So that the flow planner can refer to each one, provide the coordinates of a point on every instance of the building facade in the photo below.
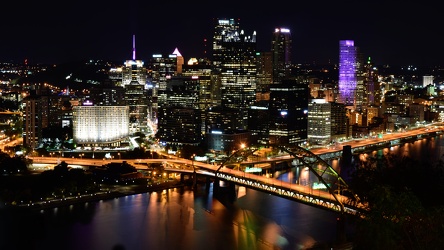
(319, 122)
(100, 125)
(348, 68)
(288, 113)
(234, 67)
(281, 52)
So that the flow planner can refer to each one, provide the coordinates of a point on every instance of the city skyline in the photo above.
(388, 32)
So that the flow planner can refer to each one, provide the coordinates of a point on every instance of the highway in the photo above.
(372, 141)
(180, 161)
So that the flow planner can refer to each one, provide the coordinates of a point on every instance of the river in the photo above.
(180, 218)
(185, 218)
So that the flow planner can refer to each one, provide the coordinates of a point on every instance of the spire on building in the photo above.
(134, 47)
(176, 52)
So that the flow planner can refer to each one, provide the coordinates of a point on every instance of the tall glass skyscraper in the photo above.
(348, 66)
(281, 51)
(288, 113)
(234, 67)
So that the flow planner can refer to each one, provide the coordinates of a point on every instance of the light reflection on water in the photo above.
(427, 149)
(178, 219)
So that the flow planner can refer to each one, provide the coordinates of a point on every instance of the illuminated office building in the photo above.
(179, 126)
(32, 120)
(264, 75)
(281, 51)
(137, 102)
(107, 94)
(234, 67)
(43, 110)
(427, 80)
(198, 73)
(100, 125)
(179, 61)
(371, 112)
(319, 122)
(416, 112)
(339, 122)
(256, 125)
(372, 94)
(134, 80)
(134, 69)
(351, 89)
(288, 113)
(161, 69)
(180, 115)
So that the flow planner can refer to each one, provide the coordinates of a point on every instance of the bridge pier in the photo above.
(207, 183)
(194, 178)
(227, 191)
(216, 186)
(340, 229)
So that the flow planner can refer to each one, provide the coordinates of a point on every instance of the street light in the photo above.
(194, 171)
(192, 160)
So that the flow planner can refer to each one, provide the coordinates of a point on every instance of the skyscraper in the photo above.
(32, 120)
(372, 94)
(161, 69)
(134, 79)
(281, 51)
(348, 73)
(319, 122)
(133, 69)
(264, 75)
(234, 67)
(288, 113)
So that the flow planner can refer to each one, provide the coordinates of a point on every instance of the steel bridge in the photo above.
(330, 191)
(318, 184)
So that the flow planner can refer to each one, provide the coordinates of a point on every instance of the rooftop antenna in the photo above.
(134, 47)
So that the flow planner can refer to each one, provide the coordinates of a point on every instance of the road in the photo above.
(386, 137)
(6, 143)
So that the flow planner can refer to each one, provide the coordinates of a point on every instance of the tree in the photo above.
(401, 215)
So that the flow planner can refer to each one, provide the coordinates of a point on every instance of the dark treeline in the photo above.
(406, 203)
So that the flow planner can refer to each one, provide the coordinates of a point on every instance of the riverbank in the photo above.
(111, 192)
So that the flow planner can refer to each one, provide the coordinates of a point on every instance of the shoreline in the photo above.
(94, 197)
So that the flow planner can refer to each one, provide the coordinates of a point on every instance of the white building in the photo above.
(427, 80)
(100, 125)
(319, 122)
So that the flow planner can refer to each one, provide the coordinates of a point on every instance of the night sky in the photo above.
(390, 32)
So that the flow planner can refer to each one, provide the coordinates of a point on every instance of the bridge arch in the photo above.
(326, 174)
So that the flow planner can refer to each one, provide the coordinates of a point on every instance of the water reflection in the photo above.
(427, 149)
(173, 219)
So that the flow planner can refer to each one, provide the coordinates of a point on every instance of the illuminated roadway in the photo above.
(357, 143)
(281, 188)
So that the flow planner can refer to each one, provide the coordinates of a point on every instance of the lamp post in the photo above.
(192, 161)
(194, 171)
